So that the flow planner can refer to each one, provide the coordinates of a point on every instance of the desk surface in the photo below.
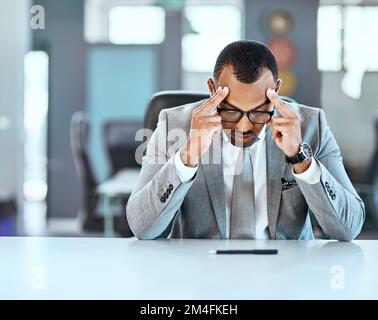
(111, 268)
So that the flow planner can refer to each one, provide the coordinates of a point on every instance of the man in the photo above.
(278, 175)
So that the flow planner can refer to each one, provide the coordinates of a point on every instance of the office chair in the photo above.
(79, 134)
(90, 221)
(168, 99)
(120, 144)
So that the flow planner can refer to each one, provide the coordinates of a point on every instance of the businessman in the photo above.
(251, 165)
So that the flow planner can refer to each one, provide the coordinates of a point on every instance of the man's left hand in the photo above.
(286, 130)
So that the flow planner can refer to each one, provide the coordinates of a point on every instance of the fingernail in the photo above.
(270, 91)
(219, 89)
(225, 89)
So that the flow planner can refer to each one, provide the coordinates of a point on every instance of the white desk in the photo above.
(111, 268)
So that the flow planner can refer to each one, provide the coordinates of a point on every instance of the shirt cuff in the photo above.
(184, 172)
(311, 175)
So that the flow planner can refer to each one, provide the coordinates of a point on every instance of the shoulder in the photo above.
(314, 126)
(311, 117)
(307, 113)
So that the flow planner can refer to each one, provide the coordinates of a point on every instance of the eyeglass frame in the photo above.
(242, 113)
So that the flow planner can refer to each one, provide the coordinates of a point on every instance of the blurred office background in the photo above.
(76, 77)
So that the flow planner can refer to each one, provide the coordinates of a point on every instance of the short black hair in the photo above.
(248, 59)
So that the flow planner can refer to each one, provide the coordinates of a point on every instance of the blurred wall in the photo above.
(63, 41)
(303, 36)
(14, 39)
(81, 79)
(352, 121)
(120, 80)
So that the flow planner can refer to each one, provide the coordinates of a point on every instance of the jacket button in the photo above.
(170, 187)
(169, 191)
(162, 199)
(166, 195)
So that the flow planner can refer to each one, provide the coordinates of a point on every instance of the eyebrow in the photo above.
(234, 107)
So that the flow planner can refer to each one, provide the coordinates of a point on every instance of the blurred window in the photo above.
(203, 39)
(329, 38)
(36, 98)
(360, 44)
(136, 25)
(36, 66)
(345, 37)
(123, 22)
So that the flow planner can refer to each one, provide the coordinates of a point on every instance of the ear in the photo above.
(211, 86)
(278, 85)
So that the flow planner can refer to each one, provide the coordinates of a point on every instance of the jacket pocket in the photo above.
(292, 214)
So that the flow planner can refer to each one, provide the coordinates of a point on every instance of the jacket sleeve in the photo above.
(159, 193)
(336, 206)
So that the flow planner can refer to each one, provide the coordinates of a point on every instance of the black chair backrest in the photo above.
(120, 144)
(79, 134)
(168, 99)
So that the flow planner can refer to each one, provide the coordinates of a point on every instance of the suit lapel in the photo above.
(275, 167)
(213, 173)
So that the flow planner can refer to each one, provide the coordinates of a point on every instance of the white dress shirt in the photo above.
(258, 153)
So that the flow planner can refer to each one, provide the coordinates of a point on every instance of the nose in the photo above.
(244, 124)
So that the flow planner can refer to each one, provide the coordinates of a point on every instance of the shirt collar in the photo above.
(262, 133)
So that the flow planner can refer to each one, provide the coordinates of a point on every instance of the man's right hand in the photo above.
(205, 124)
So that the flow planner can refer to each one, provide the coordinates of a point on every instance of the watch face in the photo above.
(307, 151)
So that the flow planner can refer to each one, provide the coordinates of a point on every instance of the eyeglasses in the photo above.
(255, 116)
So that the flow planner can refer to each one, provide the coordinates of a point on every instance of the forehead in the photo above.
(246, 95)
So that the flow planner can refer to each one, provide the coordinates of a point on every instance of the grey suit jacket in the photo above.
(162, 206)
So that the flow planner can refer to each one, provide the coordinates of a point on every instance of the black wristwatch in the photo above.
(305, 152)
